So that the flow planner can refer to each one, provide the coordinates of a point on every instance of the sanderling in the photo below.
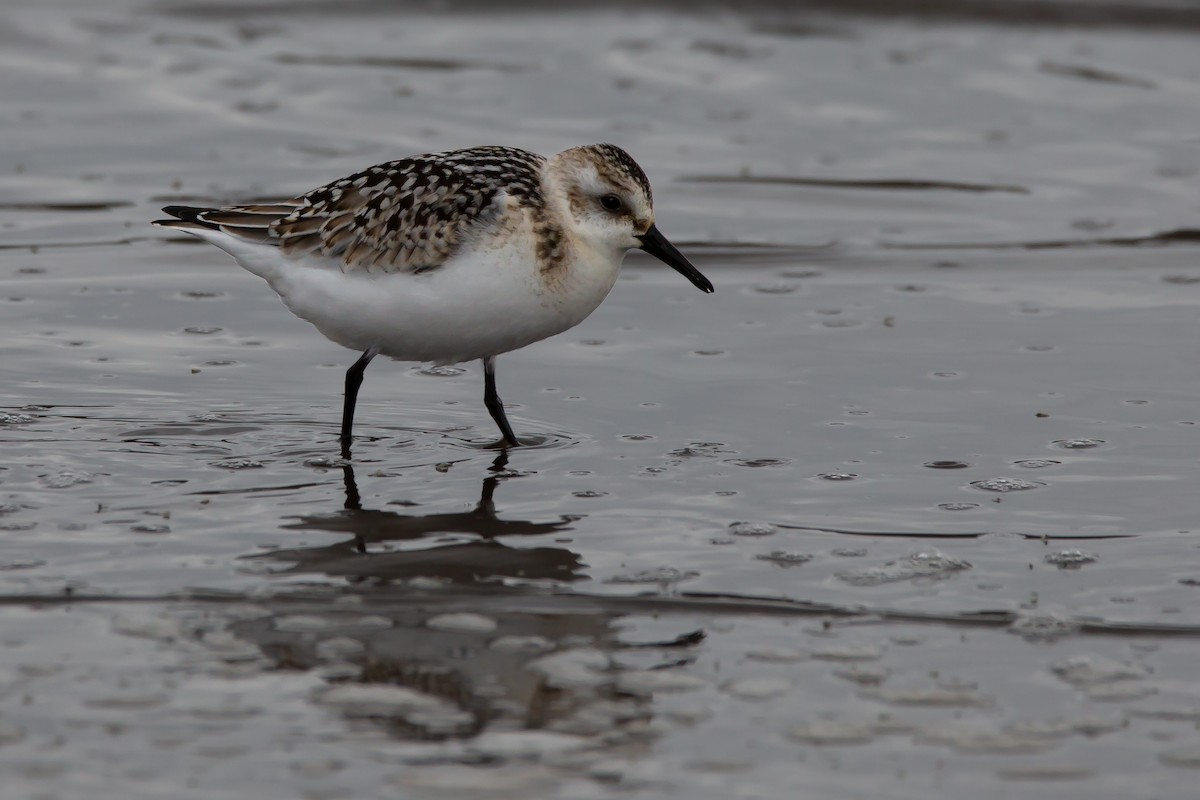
(448, 257)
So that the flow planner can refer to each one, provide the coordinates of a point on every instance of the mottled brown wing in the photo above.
(402, 216)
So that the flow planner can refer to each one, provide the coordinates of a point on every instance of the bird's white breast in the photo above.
(486, 300)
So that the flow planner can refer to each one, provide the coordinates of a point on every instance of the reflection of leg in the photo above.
(354, 379)
(489, 484)
(353, 499)
(492, 400)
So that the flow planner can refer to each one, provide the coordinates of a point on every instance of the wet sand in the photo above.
(905, 509)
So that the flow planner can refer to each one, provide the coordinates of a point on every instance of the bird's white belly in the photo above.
(479, 304)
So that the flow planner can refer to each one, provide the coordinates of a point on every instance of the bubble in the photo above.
(922, 564)
(660, 575)
(759, 462)
(15, 419)
(1078, 444)
(957, 506)
(947, 464)
(1006, 485)
(836, 476)
(1071, 558)
(1043, 628)
(147, 527)
(238, 463)
(752, 529)
(202, 330)
(1037, 463)
(445, 371)
(66, 479)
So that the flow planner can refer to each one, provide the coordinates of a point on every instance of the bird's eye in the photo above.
(610, 202)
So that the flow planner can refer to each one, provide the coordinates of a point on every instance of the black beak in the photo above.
(657, 245)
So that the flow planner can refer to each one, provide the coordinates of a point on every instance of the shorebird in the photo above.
(448, 257)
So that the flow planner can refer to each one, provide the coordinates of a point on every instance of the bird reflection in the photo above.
(463, 563)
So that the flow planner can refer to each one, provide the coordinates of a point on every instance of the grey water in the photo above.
(906, 509)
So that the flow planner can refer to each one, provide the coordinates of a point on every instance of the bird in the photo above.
(447, 257)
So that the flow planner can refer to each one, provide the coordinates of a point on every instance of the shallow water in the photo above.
(908, 503)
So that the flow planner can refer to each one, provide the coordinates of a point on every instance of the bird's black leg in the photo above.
(492, 400)
(354, 379)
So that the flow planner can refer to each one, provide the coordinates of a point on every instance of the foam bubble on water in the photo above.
(67, 479)
(1078, 444)
(836, 476)
(1042, 627)
(325, 462)
(785, 558)
(15, 419)
(440, 372)
(1037, 463)
(238, 463)
(752, 528)
(1006, 484)
(663, 576)
(1071, 558)
(922, 564)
